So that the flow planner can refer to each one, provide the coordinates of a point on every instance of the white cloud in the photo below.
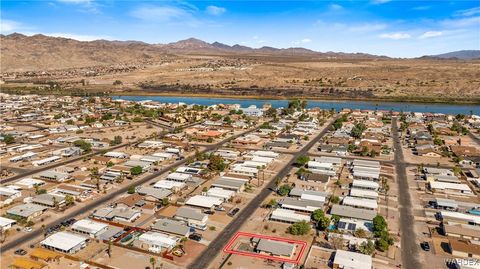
(468, 12)
(78, 37)
(421, 8)
(396, 36)
(75, 1)
(335, 7)
(379, 2)
(430, 34)
(159, 13)
(367, 27)
(89, 6)
(182, 15)
(215, 11)
(302, 41)
(463, 22)
(7, 26)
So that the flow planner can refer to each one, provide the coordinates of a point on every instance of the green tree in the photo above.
(131, 190)
(284, 189)
(117, 140)
(84, 145)
(137, 170)
(367, 248)
(110, 164)
(382, 244)
(271, 112)
(334, 199)
(69, 200)
(299, 228)
(379, 224)
(358, 129)
(272, 203)
(8, 139)
(302, 160)
(216, 163)
(322, 221)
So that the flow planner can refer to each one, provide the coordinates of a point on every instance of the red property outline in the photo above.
(227, 249)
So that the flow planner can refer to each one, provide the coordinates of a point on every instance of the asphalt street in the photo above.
(409, 246)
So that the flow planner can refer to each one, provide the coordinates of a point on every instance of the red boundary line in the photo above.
(227, 248)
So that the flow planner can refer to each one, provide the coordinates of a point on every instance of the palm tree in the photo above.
(109, 250)
(153, 261)
(55, 202)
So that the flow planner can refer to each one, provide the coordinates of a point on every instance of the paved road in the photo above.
(105, 198)
(216, 246)
(409, 246)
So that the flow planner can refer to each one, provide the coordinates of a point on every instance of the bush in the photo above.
(299, 228)
(302, 160)
(284, 189)
(131, 190)
(84, 145)
(137, 170)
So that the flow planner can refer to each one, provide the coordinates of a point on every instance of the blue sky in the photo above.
(383, 27)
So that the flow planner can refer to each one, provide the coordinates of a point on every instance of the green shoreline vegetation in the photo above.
(22, 90)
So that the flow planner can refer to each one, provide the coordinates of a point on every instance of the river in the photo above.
(338, 105)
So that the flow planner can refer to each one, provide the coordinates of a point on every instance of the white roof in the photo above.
(241, 168)
(204, 201)
(360, 202)
(259, 159)
(46, 160)
(64, 241)
(168, 184)
(311, 197)
(326, 159)
(363, 193)
(220, 193)
(450, 186)
(366, 163)
(366, 175)
(179, 176)
(89, 226)
(288, 215)
(365, 184)
(163, 154)
(352, 260)
(6, 221)
(314, 164)
(158, 239)
(115, 154)
(263, 153)
(4, 191)
(252, 164)
(29, 182)
(458, 215)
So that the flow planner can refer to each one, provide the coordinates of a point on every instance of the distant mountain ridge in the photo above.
(460, 54)
(19, 52)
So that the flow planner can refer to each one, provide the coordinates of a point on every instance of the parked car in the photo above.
(20, 251)
(195, 237)
(28, 229)
(233, 212)
(425, 246)
(209, 212)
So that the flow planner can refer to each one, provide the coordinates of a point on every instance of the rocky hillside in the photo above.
(39, 52)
